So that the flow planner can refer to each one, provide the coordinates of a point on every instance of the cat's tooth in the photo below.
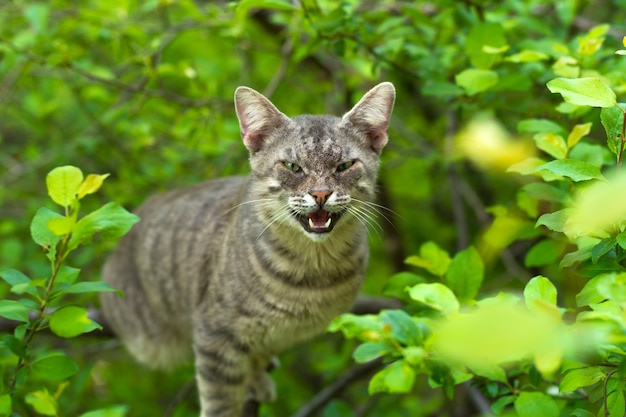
(311, 224)
(328, 222)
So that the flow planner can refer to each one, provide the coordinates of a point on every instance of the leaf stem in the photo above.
(37, 324)
(607, 413)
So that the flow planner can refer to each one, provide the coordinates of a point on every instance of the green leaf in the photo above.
(621, 240)
(527, 167)
(62, 226)
(490, 35)
(403, 327)
(20, 283)
(397, 285)
(39, 230)
(71, 321)
(578, 132)
(613, 287)
(364, 326)
(567, 67)
(540, 126)
(67, 275)
(15, 345)
(111, 221)
(616, 404)
(43, 402)
(115, 411)
(436, 296)
(527, 56)
(63, 184)
(595, 154)
(546, 252)
(436, 88)
(395, 378)
(554, 221)
(582, 377)
(589, 294)
(488, 370)
(37, 15)
(414, 355)
(536, 404)
(602, 248)
(432, 258)
(612, 119)
(267, 4)
(90, 287)
(55, 367)
(498, 406)
(539, 289)
(579, 412)
(573, 169)
(14, 310)
(552, 144)
(465, 274)
(5, 405)
(371, 350)
(475, 81)
(584, 91)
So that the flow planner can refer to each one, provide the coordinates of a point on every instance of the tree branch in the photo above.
(327, 394)
(366, 304)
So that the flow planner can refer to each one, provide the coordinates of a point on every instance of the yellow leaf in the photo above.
(496, 333)
(92, 183)
(548, 361)
(599, 210)
(577, 133)
(624, 41)
(487, 143)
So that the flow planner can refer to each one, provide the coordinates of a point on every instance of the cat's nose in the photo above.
(321, 196)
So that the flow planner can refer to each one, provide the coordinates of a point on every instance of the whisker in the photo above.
(366, 218)
(377, 208)
(280, 216)
(371, 217)
(264, 201)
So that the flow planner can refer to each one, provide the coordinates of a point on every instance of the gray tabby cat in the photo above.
(236, 270)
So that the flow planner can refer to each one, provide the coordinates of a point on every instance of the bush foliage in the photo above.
(505, 231)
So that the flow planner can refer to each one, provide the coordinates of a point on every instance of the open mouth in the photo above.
(320, 221)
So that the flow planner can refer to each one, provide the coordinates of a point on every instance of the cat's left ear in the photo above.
(371, 114)
(257, 117)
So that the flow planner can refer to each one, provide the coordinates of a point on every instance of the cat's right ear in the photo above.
(257, 117)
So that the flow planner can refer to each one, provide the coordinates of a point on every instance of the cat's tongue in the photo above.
(319, 220)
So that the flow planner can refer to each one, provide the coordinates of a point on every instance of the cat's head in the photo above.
(315, 173)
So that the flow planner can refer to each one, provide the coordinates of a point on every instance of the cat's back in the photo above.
(179, 230)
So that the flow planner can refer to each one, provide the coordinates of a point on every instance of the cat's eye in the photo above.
(292, 166)
(344, 165)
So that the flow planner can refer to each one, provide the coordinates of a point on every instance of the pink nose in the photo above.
(321, 196)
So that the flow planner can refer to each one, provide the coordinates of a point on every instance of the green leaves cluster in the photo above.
(528, 354)
(43, 303)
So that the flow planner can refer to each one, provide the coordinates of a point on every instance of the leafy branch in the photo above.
(58, 235)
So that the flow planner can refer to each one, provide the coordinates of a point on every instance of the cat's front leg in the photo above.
(222, 371)
(260, 387)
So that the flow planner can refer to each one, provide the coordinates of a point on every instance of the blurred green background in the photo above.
(143, 90)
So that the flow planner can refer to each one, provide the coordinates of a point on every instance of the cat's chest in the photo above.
(300, 321)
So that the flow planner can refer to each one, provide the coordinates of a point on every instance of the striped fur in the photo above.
(235, 270)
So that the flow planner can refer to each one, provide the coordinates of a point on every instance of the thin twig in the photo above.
(285, 53)
(373, 305)
(458, 211)
(327, 394)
